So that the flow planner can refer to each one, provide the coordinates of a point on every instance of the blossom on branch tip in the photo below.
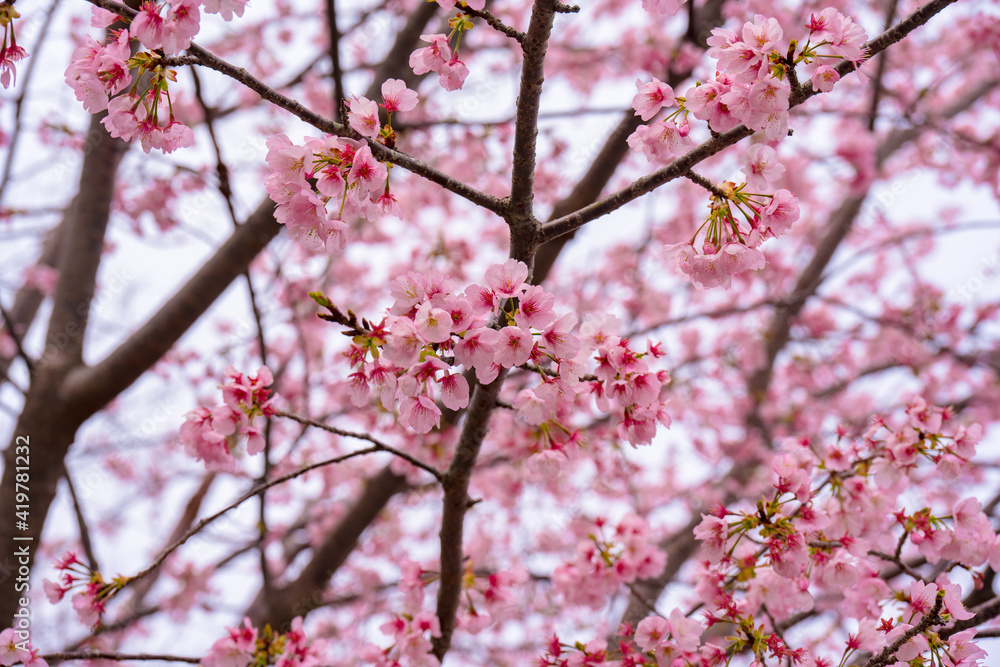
(131, 118)
(99, 71)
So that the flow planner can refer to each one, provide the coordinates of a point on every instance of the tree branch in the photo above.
(381, 446)
(526, 124)
(456, 502)
(256, 489)
(495, 23)
(681, 165)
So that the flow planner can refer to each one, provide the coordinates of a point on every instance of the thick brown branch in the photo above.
(91, 388)
(526, 124)
(47, 421)
(456, 503)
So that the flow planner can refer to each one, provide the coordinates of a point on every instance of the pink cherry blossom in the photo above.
(762, 167)
(99, 71)
(763, 34)
(431, 58)
(507, 280)
(783, 210)
(419, 413)
(452, 74)
(454, 391)
(651, 97)
(397, 97)
(535, 308)
(363, 117)
(513, 346)
(660, 141)
(769, 95)
(824, 78)
(433, 324)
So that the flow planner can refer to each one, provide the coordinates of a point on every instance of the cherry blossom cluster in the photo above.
(214, 435)
(319, 184)
(752, 86)
(92, 594)
(731, 243)
(439, 57)
(363, 117)
(10, 52)
(487, 596)
(827, 529)
(664, 139)
(169, 27)
(825, 536)
(245, 645)
(604, 562)
(504, 323)
(755, 67)
(411, 643)
(592, 654)
(99, 73)
(16, 648)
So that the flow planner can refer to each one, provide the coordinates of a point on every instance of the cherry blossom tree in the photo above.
(623, 340)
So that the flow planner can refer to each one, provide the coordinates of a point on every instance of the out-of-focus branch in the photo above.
(305, 593)
(335, 70)
(81, 522)
(47, 417)
(92, 387)
(256, 489)
(29, 69)
(29, 298)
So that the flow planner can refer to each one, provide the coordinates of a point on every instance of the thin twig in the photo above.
(495, 23)
(242, 499)
(81, 522)
(379, 445)
(106, 655)
(698, 179)
(211, 61)
(15, 133)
